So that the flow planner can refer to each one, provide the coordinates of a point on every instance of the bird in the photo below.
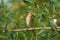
(55, 21)
(29, 19)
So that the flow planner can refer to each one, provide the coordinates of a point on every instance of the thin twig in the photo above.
(42, 28)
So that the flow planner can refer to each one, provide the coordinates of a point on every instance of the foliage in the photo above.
(13, 14)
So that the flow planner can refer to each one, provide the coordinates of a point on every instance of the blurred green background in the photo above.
(13, 14)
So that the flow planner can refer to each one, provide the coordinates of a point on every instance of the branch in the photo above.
(42, 28)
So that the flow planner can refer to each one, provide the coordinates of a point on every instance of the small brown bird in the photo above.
(28, 19)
